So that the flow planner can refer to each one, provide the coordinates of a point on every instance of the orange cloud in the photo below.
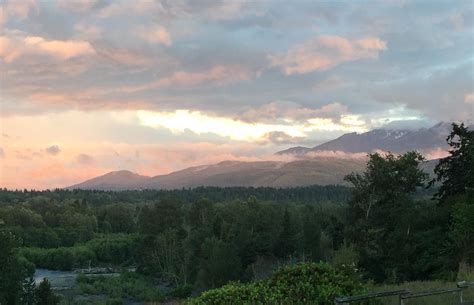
(64, 49)
(15, 44)
(326, 52)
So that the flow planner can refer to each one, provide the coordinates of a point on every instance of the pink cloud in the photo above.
(154, 35)
(326, 52)
(17, 9)
(89, 99)
(436, 154)
(124, 56)
(16, 44)
(217, 74)
(64, 49)
(3, 15)
(335, 154)
(469, 98)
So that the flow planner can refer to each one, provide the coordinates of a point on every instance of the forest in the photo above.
(391, 224)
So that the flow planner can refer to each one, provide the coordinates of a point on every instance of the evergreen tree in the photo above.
(456, 171)
(28, 296)
(11, 271)
(311, 234)
(219, 265)
(379, 211)
(286, 244)
(45, 295)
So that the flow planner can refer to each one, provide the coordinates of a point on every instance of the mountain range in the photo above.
(393, 140)
(322, 171)
(306, 169)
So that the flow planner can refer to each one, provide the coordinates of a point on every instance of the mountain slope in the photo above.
(397, 141)
(113, 181)
(234, 173)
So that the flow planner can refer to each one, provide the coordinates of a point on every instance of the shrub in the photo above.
(113, 248)
(60, 258)
(303, 283)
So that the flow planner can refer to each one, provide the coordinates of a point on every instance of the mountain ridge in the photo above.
(238, 173)
(305, 169)
(381, 139)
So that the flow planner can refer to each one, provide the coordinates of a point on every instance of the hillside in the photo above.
(322, 171)
(113, 181)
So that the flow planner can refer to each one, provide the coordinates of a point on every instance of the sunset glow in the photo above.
(89, 87)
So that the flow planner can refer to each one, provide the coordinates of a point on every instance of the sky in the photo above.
(92, 86)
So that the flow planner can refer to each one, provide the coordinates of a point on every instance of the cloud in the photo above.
(435, 154)
(469, 98)
(78, 5)
(3, 15)
(200, 123)
(53, 150)
(292, 112)
(202, 10)
(85, 159)
(16, 44)
(326, 52)
(280, 137)
(138, 7)
(87, 31)
(332, 82)
(154, 35)
(440, 93)
(335, 154)
(16, 9)
(217, 75)
(63, 49)
(123, 56)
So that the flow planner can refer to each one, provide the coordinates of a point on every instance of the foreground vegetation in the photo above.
(303, 283)
(192, 245)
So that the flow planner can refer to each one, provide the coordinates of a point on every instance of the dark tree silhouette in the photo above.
(456, 171)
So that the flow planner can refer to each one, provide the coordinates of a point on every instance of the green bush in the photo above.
(303, 283)
(60, 258)
(113, 248)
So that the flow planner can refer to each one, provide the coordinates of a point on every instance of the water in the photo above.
(60, 280)
(63, 283)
